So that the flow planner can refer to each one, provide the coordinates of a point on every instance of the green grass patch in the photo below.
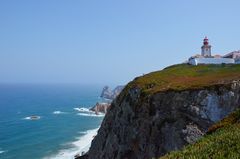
(183, 76)
(222, 142)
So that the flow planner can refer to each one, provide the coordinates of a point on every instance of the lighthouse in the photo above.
(207, 58)
(206, 48)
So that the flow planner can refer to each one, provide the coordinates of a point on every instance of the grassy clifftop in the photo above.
(222, 141)
(183, 76)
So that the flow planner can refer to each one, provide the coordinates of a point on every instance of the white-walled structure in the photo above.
(197, 61)
(234, 55)
(207, 58)
(237, 61)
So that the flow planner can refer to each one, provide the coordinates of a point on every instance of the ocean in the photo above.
(64, 128)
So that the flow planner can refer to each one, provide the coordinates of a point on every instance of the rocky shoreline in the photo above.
(100, 108)
(107, 94)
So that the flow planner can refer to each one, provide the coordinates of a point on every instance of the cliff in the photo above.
(222, 141)
(107, 93)
(166, 110)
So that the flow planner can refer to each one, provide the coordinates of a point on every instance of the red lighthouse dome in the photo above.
(205, 41)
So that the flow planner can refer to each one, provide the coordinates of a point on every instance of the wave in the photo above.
(59, 112)
(82, 144)
(1, 151)
(32, 118)
(82, 109)
(88, 113)
(82, 132)
(91, 114)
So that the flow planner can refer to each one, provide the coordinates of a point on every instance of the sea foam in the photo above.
(88, 113)
(82, 109)
(82, 144)
(59, 112)
(30, 118)
(91, 114)
(2, 152)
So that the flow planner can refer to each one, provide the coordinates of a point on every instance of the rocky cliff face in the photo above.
(101, 108)
(142, 127)
(166, 110)
(111, 94)
(106, 93)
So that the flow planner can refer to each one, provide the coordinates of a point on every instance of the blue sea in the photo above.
(63, 129)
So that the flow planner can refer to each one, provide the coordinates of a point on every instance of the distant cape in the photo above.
(107, 93)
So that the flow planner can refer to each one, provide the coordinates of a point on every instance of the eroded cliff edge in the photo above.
(163, 111)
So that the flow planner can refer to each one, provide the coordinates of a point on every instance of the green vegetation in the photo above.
(183, 76)
(221, 141)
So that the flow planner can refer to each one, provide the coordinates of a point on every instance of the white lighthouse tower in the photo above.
(207, 58)
(206, 48)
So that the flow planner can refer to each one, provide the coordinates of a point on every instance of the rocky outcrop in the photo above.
(117, 90)
(107, 93)
(101, 108)
(144, 126)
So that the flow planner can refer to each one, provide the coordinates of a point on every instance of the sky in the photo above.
(108, 42)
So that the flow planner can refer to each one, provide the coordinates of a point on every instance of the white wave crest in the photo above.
(82, 144)
(82, 109)
(32, 118)
(91, 114)
(82, 132)
(59, 112)
(1, 151)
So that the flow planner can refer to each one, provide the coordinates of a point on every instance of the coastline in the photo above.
(81, 145)
(50, 135)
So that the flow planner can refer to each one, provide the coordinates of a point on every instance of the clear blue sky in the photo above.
(108, 42)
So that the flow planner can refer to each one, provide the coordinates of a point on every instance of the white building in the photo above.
(197, 61)
(207, 58)
(235, 55)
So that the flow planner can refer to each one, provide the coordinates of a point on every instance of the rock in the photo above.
(81, 157)
(192, 133)
(100, 108)
(107, 93)
(142, 127)
(117, 91)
